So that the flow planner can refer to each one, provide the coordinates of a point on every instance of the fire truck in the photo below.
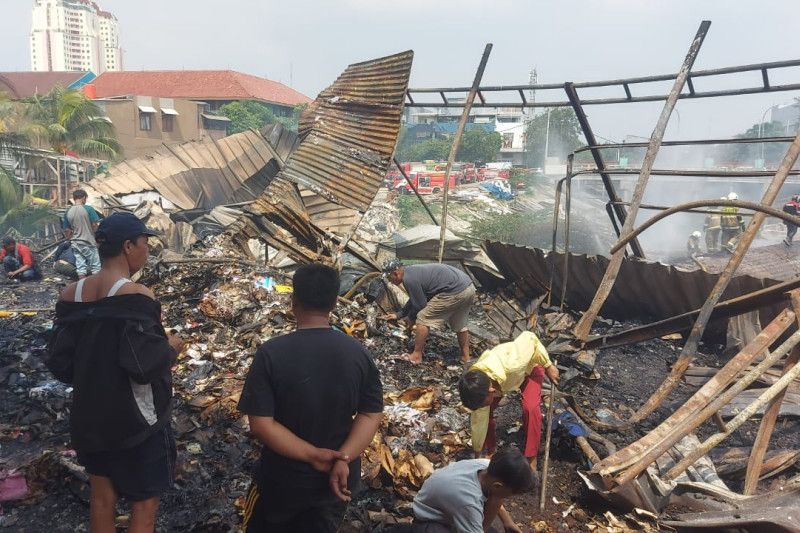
(426, 182)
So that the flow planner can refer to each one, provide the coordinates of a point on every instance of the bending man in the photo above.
(437, 294)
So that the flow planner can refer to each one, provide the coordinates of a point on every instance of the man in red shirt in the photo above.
(18, 261)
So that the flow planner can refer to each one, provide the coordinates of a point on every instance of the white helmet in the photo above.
(696, 234)
(733, 196)
(723, 197)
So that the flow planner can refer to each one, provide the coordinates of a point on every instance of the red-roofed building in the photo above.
(215, 87)
(26, 84)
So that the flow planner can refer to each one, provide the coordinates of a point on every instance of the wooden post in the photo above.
(58, 182)
(767, 426)
(584, 325)
(546, 461)
(457, 140)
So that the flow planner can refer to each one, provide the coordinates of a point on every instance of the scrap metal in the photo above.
(196, 174)
(347, 137)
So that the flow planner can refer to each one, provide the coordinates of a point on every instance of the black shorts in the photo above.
(322, 516)
(139, 473)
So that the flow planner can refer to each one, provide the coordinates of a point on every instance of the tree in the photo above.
(435, 149)
(248, 114)
(564, 137)
(479, 145)
(747, 154)
(18, 210)
(67, 121)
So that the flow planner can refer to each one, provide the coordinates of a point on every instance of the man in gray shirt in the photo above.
(466, 496)
(438, 294)
(80, 223)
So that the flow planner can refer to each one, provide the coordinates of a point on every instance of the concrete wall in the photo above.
(124, 114)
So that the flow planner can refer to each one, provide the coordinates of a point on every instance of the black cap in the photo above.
(121, 227)
(8, 240)
(391, 265)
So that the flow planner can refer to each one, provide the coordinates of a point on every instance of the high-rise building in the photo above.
(74, 35)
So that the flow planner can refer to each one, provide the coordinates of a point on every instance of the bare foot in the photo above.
(415, 357)
(533, 464)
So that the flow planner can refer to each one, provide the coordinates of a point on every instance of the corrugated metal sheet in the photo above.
(350, 130)
(347, 137)
(644, 290)
(195, 174)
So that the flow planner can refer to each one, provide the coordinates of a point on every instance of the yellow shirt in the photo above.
(508, 365)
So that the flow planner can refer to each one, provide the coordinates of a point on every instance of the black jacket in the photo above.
(115, 354)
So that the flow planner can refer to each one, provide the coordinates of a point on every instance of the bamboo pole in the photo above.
(584, 325)
(457, 140)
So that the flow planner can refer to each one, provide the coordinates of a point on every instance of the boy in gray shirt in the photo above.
(466, 496)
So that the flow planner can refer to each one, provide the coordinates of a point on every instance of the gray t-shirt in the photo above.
(79, 218)
(453, 496)
(423, 282)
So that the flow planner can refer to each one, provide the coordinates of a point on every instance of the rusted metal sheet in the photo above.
(332, 173)
(647, 289)
(196, 174)
(350, 130)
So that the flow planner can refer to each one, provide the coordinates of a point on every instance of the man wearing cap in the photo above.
(80, 223)
(108, 343)
(18, 261)
(438, 294)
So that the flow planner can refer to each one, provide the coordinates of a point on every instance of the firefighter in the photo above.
(712, 228)
(791, 207)
(693, 244)
(732, 224)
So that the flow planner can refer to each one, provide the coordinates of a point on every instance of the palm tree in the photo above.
(25, 213)
(67, 120)
(11, 115)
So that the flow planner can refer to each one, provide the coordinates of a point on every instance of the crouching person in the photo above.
(314, 400)
(520, 364)
(467, 496)
(109, 344)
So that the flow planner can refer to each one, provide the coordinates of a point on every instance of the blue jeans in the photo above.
(10, 264)
(87, 260)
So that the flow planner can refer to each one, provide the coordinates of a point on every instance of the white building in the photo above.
(509, 122)
(69, 35)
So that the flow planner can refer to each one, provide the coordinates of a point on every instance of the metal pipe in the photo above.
(699, 211)
(551, 259)
(690, 348)
(614, 101)
(685, 173)
(748, 140)
(584, 325)
(457, 141)
(588, 133)
(413, 188)
(567, 217)
(759, 208)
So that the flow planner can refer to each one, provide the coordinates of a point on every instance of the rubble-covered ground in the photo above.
(225, 315)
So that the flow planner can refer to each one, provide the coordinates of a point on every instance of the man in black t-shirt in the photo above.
(314, 400)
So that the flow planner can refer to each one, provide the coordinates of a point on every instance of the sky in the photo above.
(308, 43)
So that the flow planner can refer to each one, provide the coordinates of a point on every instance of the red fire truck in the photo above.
(425, 182)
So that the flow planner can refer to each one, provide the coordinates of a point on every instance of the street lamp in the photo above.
(760, 124)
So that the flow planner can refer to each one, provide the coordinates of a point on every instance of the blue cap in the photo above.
(121, 227)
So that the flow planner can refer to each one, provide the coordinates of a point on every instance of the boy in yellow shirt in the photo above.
(520, 364)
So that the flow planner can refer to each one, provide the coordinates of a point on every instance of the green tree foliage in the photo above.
(67, 121)
(247, 114)
(565, 136)
(479, 145)
(747, 154)
(476, 145)
(17, 209)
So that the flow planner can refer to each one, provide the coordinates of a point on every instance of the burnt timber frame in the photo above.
(625, 84)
